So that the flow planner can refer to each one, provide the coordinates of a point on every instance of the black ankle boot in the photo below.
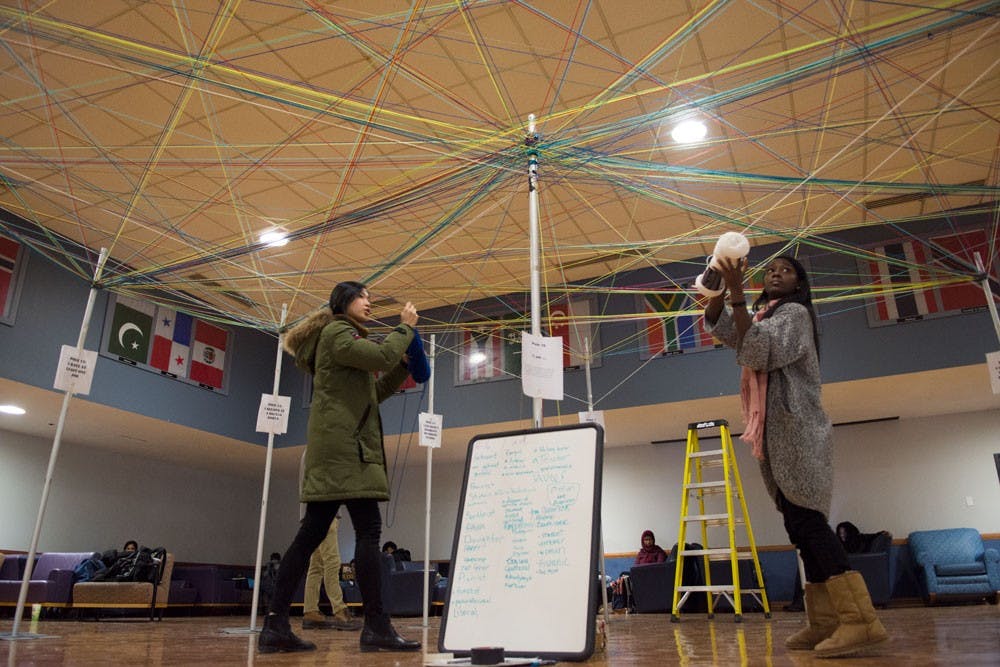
(277, 635)
(379, 635)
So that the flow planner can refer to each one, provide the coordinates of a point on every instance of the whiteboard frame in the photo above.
(542, 609)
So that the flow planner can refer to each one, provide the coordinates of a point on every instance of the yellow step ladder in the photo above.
(695, 482)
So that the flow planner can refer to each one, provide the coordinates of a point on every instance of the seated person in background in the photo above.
(397, 553)
(111, 556)
(651, 551)
(854, 541)
(649, 554)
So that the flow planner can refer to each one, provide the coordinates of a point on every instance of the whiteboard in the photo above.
(524, 571)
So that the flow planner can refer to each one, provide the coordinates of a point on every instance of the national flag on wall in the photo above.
(208, 354)
(964, 245)
(500, 349)
(565, 314)
(171, 342)
(8, 263)
(672, 333)
(131, 329)
(903, 264)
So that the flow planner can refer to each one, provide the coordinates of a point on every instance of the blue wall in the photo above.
(53, 300)
(779, 568)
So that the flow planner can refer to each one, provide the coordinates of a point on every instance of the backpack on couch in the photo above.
(89, 568)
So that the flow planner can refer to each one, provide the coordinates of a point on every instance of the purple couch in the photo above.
(13, 567)
(51, 583)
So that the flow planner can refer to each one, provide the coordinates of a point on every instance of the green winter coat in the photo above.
(345, 456)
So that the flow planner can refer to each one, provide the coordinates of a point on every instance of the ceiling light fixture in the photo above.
(12, 410)
(689, 131)
(274, 239)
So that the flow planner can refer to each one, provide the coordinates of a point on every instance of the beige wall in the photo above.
(899, 476)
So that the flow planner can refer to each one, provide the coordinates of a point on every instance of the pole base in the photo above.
(11, 637)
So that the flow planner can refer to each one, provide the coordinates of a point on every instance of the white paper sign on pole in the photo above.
(541, 366)
(76, 370)
(595, 417)
(430, 429)
(272, 416)
(993, 364)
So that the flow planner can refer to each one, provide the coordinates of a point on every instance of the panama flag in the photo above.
(208, 354)
(171, 342)
(131, 329)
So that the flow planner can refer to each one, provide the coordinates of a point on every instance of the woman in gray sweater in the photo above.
(789, 433)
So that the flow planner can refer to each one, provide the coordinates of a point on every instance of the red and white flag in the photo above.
(8, 263)
(208, 354)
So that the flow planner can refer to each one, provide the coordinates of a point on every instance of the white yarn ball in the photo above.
(732, 245)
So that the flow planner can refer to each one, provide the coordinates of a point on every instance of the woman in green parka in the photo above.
(345, 457)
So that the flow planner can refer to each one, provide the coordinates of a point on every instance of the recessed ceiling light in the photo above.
(689, 132)
(274, 239)
(11, 410)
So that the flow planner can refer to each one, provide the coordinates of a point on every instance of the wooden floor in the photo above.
(954, 635)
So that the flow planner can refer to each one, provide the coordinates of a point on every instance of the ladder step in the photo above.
(706, 552)
(720, 554)
(707, 452)
(724, 588)
(711, 519)
(705, 485)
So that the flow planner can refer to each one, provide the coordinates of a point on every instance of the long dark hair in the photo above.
(343, 294)
(803, 295)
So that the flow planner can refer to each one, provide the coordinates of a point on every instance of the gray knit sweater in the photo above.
(798, 452)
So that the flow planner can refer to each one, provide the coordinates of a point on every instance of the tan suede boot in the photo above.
(821, 619)
(315, 620)
(344, 621)
(859, 627)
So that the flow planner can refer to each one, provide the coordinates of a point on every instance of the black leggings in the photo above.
(823, 555)
(315, 525)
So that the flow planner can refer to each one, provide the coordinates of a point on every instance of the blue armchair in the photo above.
(953, 562)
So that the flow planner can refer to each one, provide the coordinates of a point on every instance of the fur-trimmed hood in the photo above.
(301, 340)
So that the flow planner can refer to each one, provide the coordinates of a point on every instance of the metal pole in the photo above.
(427, 492)
(536, 327)
(590, 389)
(590, 409)
(267, 480)
(990, 302)
(57, 441)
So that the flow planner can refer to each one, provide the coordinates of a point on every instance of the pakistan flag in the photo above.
(131, 329)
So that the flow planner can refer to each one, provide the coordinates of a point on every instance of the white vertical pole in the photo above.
(57, 441)
(590, 408)
(267, 479)
(990, 302)
(536, 327)
(590, 390)
(427, 492)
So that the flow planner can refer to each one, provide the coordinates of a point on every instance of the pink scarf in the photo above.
(753, 392)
